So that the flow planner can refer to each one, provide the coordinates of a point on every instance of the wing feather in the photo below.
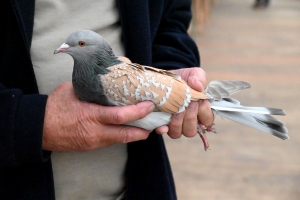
(131, 83)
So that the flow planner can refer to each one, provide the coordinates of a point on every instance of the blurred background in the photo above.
(259, 45)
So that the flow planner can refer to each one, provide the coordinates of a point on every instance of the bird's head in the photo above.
(87, 45)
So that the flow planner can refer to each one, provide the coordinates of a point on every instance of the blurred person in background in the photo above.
(261, 3)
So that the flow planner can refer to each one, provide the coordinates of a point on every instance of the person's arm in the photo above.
(173, 48)
(21, 127)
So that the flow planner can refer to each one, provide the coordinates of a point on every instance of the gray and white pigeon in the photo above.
(101, 77)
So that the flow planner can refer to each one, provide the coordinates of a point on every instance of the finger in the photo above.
(201, 76)
(162, 130)
(126, 134)
(175, 126)
(103, 135)
(205, 115)
(190, 120)
(123, 114)
(194, 71)
(195, 83)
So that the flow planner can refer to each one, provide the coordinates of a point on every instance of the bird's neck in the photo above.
(96, 65)
(86, 73)
(102, 62)
(106, 62)
(86, 83)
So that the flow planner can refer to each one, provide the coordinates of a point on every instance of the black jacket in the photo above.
(154, 34)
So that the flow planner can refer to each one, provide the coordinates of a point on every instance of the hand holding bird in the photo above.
(185, 123)
(73, 125)
(100, 77)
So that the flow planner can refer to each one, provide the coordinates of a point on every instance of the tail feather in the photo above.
(232, 100)
(264, 123)
(225, 105)
(256, 117)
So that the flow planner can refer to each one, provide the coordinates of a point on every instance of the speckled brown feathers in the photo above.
(129, 83)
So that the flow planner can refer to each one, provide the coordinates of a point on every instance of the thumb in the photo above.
(124, 114)
(126, 134)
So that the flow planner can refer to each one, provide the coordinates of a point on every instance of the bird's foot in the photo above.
(207, 129)
(202, 130)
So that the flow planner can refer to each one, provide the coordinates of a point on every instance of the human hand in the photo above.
(186, 122)
(73, 125)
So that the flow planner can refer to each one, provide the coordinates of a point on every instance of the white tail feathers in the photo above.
(256, 117)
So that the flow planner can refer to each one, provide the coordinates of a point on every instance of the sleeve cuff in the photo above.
(28, 130)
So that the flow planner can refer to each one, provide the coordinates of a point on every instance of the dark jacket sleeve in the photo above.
(21, 127)
(173, 48)
(21, 109)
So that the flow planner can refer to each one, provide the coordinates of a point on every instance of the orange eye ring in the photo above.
(81, 43)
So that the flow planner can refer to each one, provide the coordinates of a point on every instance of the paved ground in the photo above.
(261, 47)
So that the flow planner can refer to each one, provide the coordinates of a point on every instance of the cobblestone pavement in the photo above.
(261, 47)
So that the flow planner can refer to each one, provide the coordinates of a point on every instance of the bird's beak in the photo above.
(62, 48)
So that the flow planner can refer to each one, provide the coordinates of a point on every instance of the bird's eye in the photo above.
(81, 43)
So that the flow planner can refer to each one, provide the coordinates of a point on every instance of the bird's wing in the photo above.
(195, 95)
(161, 71)
(124, 59)
(128, 83)
(224, 89)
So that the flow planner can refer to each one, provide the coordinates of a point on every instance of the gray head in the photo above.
(86, 45)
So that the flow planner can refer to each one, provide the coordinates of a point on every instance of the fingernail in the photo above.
(151, 108)
(147, 104)
(179, 115)
(193, 105)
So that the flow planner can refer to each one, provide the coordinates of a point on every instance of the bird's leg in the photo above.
(201, 129)
(202, 132)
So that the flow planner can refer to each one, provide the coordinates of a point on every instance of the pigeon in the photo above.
(101, 77)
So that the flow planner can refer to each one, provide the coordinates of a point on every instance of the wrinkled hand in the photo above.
(186, 122)
(73, 125)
